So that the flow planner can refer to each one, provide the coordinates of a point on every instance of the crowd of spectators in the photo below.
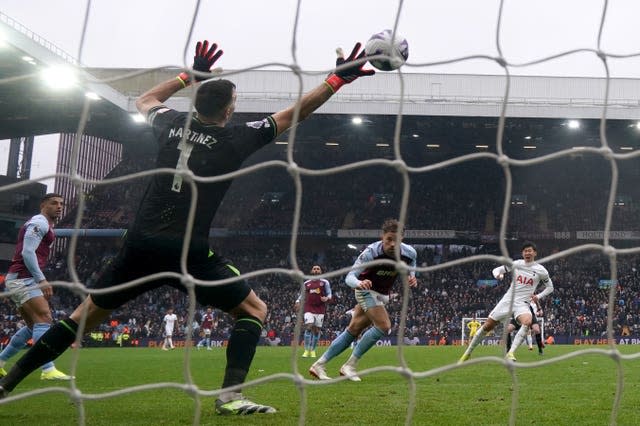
(578, 306)
(467, 197)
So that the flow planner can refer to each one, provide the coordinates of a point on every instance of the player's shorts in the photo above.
(206, 331)
(314, 319)
(168, 333)
(368, 299)
(25, 289)
(502, 310)
(534, 319)
(134, 262)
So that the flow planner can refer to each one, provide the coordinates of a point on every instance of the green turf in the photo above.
(576, 391)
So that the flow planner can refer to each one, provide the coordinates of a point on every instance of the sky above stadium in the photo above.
(154, 33)
(256, 33)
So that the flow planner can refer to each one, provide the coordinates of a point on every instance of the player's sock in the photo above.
(369, 338)
(474, 342)
(314, 341)
(38, 330)
(240, 351)
(17, 342)
(340, 343)
(50, 346)
(520, 335)
(539, 341)
(307, 340)
(529, 341)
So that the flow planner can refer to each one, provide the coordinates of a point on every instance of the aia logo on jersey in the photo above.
(524, 280)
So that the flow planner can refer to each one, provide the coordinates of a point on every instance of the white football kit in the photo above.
(169, 323)
(525, 280)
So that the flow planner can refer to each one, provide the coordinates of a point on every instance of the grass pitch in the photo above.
(577, 390)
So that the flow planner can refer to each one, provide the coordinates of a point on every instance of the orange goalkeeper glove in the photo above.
(346, 75)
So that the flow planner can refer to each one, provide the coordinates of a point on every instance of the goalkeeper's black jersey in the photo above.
(207, 151)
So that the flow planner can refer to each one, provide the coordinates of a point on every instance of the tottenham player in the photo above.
(372, 285)
(176, 211)
(536, 315)
(25, 275)
(169, 322)
(526, 276)
(317, 292)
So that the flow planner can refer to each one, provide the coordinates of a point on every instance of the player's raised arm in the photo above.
(498, 273)
(203, 60)
(311, 101)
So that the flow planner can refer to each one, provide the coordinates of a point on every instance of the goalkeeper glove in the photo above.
(203, 60)
(348, 74)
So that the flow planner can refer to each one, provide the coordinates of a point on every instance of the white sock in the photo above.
(352, 361)
(476, 340)
(517, 341)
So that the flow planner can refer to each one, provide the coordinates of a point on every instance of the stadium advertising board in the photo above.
(614, 235)
(408, 233)
(486, 283)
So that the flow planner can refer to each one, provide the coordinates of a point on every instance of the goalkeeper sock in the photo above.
(241, 349)
(368, 340)
(341, 343)
(50, 346)
(17, 342)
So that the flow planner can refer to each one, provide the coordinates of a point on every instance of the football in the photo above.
(384, 43)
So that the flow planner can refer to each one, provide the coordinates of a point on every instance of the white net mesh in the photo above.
(397, 164)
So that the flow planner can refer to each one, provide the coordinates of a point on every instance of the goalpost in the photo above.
(496, 333)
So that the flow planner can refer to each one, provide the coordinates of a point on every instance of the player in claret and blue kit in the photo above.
(317, 292)
(372, 285)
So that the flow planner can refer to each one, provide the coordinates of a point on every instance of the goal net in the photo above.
(398, 166)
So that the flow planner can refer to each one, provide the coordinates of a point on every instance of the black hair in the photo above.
(213, 97)
(529, 244)
(50, 195)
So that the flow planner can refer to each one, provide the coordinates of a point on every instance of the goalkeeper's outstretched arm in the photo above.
(347, 70)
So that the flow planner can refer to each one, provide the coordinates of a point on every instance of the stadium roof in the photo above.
(27, 107)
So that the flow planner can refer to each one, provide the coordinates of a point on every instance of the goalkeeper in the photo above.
(202, 145)
(473, 326)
